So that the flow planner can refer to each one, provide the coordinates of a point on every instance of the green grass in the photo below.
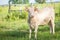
(20, 31)
(23, 35)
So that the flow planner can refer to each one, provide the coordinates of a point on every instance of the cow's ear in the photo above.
(26, 8)
(36, 9)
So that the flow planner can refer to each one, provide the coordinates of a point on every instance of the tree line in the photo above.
(25, 1)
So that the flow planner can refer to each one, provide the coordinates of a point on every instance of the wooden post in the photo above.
(9, 7)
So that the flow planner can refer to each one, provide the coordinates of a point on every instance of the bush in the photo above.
(16, 15)
(23, 15)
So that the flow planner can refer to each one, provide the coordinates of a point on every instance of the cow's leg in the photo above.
(53, 27)
(36, 28)
(51, 24)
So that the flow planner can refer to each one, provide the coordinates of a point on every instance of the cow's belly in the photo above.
(42, 20)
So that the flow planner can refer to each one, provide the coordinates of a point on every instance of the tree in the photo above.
(16, 1)
(19, 1)
(26, 1)
(40, 1)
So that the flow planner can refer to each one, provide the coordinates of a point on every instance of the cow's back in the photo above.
(44, 16)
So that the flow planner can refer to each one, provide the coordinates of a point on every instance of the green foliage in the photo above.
(40, 1)
(19, 1)
(25, 1)
(15, 15)
(23, 15)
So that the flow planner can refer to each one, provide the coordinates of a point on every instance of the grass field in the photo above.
(19, 30)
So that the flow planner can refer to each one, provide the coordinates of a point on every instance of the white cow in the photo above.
(38, 17)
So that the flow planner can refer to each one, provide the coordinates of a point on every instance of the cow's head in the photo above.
(31, 10)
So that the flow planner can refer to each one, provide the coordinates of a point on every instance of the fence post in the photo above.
(9, 7)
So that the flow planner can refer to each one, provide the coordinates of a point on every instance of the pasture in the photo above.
(14, 26)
